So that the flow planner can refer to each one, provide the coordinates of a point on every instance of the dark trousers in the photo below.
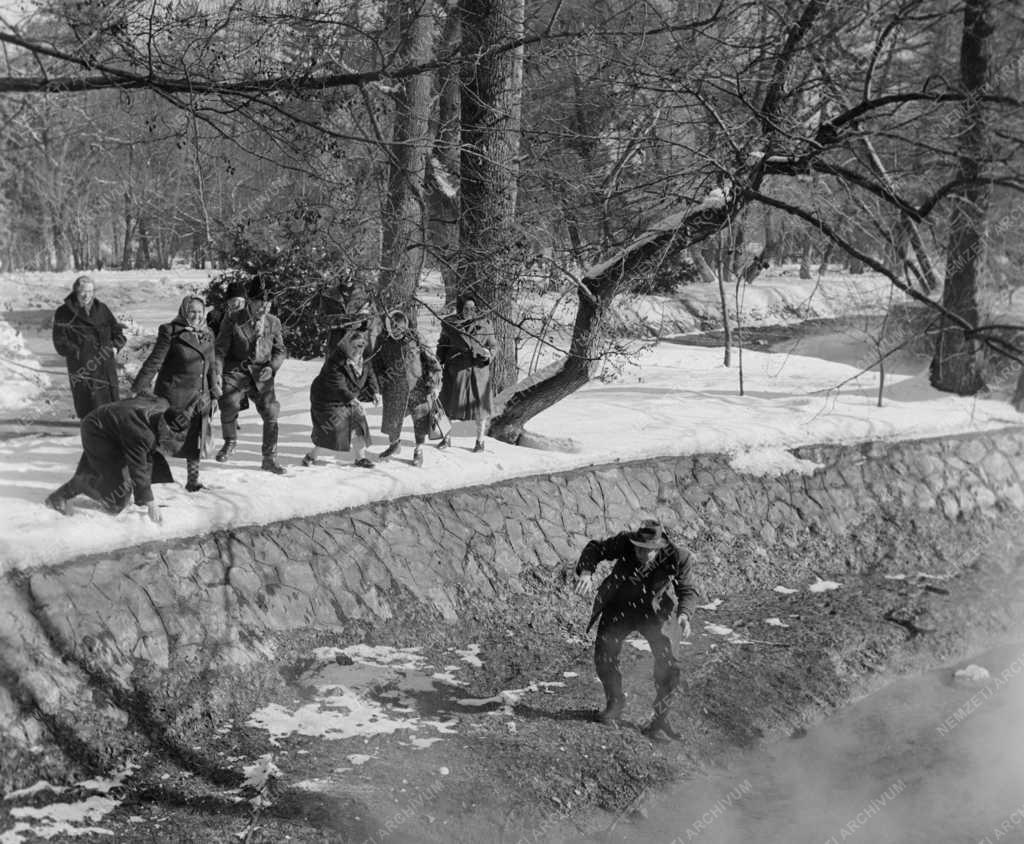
(613, 629)
(101, 472)
(239, 385)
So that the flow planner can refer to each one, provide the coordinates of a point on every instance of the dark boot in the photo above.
(192, 483)
(614, 697)
(226, 451)
(446, 441)
(417, 457)
(59, 503)
(660, 728)
(660, 725)
(612, 711)
(392, 449)
(270, 464)
(479, 446)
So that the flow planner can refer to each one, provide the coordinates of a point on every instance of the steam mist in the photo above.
(924, 760)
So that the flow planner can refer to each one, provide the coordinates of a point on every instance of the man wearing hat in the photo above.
(649, 590)
(249, 350)
(234, 301)
(122, 443)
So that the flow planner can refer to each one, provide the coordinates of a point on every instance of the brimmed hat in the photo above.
(258, 289)
(650, 535)
(235, 290)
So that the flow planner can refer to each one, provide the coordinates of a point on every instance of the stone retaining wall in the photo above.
(84, 644)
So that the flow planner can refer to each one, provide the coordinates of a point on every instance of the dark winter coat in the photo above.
(123, 435)
(182, 364)
(89, 343)
(463, 351)
(406, 373)
(334, 399)
(242, 348)
(628, 590)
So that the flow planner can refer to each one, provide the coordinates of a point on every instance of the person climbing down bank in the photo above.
(125, 445)
(650, 590)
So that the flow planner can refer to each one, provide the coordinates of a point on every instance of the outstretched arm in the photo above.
(143, 382)
(686, 593)
(593, 553)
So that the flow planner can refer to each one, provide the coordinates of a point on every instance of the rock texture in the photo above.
(108, 651)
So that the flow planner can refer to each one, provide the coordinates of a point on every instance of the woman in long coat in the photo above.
(409, 377)
(182, 364)
(464, 350)
(86, 334)
(339, 423)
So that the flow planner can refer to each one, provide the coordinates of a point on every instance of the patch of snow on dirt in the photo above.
(360, 690)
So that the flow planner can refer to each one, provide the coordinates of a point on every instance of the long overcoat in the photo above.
(463, 350)
(182, 364)
(406, 373)
(88, 342)
(334, 401)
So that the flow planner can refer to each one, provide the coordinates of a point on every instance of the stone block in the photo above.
(1013, 496)
(997, 469)
(949, 505)
(508, 561)
(972, 451)
(985, 498)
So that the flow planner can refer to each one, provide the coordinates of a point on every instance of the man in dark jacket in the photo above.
(249, 352)
(121, 445)
(650, 590)
(234, 301)
(86, 334)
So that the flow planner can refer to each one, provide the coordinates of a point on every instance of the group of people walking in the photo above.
(231, 356)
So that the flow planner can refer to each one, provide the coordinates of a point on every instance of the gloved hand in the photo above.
(266, 373)
(155, 516)
(684, 625)
(202, 403)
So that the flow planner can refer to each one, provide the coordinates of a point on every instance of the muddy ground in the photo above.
(541, 769)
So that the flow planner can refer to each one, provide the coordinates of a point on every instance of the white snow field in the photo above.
(670, 399)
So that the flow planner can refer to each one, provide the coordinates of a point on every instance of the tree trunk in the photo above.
(956, 365)
(143, 259)
(707, 275)
(443, 192)
(404, 232)
(805, 258)
(491, 109)
(599, 286)
(126, 251)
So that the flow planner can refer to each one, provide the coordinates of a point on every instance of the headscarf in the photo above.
(202, 333)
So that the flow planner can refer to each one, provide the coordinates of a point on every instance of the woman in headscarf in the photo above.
(182, 363)
(409, 378)
(464, 351)
(339, 423)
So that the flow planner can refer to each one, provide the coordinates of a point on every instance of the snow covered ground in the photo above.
(671, 400)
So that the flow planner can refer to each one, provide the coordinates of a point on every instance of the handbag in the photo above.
(440, 424)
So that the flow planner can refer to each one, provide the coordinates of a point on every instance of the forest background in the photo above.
(342, 148)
